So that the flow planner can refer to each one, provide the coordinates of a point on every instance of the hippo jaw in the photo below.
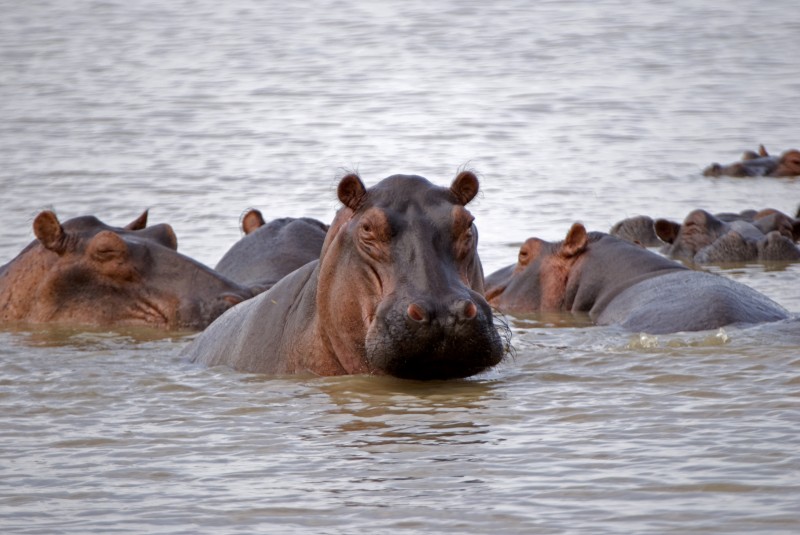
(410, 342)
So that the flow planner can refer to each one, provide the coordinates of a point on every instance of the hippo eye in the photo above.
(468, 235)
(523, 257)
(373, 238)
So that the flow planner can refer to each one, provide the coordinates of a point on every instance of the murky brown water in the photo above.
(590, 111)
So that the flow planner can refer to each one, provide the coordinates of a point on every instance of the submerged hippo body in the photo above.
(619, 283)
(397, 290)
(704, 238)
(759, 164)
(84, 272)
(269, 251)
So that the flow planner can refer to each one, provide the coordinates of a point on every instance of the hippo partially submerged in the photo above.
(703, 238)
(638, 229)
(397, 290)
(84, 272)
(759, 164)
(619, 283)
(269, 251)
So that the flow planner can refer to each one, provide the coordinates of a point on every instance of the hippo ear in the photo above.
(666, 230)
(575, 242)
(795, 230)
(465, 186)
(762, 151)
(351, 191)
(139, 223)
(252, 220)
(163, 234)
(50, 232)
(107, 246)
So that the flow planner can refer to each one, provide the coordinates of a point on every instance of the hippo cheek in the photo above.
(419, 341)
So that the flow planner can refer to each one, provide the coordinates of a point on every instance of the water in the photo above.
(590, 111)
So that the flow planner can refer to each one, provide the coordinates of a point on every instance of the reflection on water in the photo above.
(589, 111)
(386, 412)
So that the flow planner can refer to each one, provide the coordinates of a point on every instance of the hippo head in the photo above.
(638, 229)
(769, 220)
(539, 279)
(776, 247)
(731, 247)
(699, 229)
(788, 164)
(86, 272)
(401, 285)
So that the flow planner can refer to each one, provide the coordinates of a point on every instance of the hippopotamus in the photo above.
(269, 251)
(638, 229)
(397, 290)
(86, 273)
(703, 238)
(759, 164)
(620, 283)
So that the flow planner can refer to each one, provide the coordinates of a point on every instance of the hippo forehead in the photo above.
(84, 228)
(86, 223)
(399, 193)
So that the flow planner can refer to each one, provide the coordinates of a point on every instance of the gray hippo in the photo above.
(638, 229)
(84, 272)
(619, 283)
(759, 164)
(704, 238)
(397, 290)
(269, 251)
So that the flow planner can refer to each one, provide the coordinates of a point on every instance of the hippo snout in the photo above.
(424, 338)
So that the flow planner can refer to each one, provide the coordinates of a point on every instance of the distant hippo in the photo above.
(759, 164)
(618, 283)
(269, 251)
(703, 238)
(637, 229)
(397, 290)
(85, 272)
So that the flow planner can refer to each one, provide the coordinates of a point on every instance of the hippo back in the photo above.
(265, 255)
(688, 301)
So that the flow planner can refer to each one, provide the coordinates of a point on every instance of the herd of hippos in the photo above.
(394, 285)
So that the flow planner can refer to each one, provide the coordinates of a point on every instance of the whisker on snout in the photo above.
(504, 331)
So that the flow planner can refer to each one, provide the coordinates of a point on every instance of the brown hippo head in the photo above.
(400, 288)
(699, 229)
(85, 272)
(538, 281)
(788, 164)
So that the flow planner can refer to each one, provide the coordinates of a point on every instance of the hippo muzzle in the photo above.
(434, 339)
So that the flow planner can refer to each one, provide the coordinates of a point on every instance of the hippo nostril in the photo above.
(465, 310)
(470, 310)
(416, 312)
